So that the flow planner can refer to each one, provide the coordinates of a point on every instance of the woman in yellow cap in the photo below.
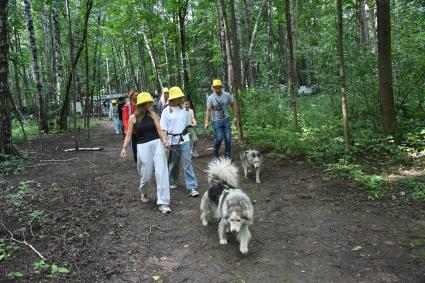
(173, 123)
(150, 151)
(113, 115)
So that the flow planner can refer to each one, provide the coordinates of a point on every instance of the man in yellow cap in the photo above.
(173, 123)
(113, 115)
(217, 107)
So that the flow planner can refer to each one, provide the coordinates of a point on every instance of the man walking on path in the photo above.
(217, 107)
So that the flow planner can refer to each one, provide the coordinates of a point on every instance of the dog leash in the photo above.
(226, 185)
(193, 164)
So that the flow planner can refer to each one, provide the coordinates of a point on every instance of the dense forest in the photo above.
(340, 83)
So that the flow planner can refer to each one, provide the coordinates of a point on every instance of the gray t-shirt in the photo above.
(219, 105)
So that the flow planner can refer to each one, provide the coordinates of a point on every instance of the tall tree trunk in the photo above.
(151, 52)
(229, 53)
(142, 66)
(19, 96)
(223, 48)
(48, 58)
(65, 106)
(165, 43)
(108, 76)
(388, 117)
(291, 63)
(130, 63)
(57, 48)
(236, 65)
(370, 13)
(118, 84)
(6, 144)
(36, 69)
(247, 67)
(363, 22)
(340, 47)
(182, 16)
(283, 48)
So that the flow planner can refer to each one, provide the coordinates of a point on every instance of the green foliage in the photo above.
(267, 121)
(30, 126)
(57, 270)
(6, 248)
(40, 265)
(15, 274)
(11, 164)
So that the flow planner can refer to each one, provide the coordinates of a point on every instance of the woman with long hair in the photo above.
(127, 110)
(150, 151)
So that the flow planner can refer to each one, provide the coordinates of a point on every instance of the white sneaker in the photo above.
(144, 198)
(194, 193)
(164, 209)
(173, 186)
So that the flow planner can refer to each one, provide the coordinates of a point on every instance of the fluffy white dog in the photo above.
(225, 201)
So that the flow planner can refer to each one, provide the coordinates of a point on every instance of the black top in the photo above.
(145, 130)
(120, 106)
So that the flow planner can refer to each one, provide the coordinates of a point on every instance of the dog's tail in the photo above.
(223, 169)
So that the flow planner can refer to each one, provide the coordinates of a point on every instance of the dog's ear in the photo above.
(244, 217)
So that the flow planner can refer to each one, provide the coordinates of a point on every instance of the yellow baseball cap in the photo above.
(175, 92)
(216, 83)
(144, 97)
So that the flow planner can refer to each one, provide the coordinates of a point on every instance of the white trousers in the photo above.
(151, 155)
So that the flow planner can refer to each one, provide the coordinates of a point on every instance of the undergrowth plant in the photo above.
(267, 121)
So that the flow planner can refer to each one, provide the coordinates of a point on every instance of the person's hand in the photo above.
(206, 125)
(236, 120)
(165, 142)
(123, 152)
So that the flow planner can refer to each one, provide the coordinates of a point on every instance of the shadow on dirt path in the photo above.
(304, 230)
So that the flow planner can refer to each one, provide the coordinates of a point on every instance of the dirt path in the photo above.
(304, 230)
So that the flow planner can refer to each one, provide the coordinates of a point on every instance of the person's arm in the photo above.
(193, 119)
(161, 133)
(235, 111)
(125, 117)
(110, 112)
(207, 115)
(128, 136)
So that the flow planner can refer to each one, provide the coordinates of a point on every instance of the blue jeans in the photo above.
(222, 130)
(174, 162)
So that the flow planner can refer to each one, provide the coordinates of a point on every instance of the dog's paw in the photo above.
(244, 250)
(258, 181)
(223, 242)
(204, 222)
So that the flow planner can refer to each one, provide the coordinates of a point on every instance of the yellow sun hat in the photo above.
(165, 90)
(144, 97)
(216, 83)
(175, 92)
(113, 101)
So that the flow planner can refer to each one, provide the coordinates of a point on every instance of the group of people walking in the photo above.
(160, 139)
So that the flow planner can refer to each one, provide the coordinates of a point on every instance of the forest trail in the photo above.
(305, 230)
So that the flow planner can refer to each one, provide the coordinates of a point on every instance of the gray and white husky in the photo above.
(225, 201)
(251, 158)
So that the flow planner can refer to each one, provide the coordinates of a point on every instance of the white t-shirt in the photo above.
(174, 122)
(190, 116)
